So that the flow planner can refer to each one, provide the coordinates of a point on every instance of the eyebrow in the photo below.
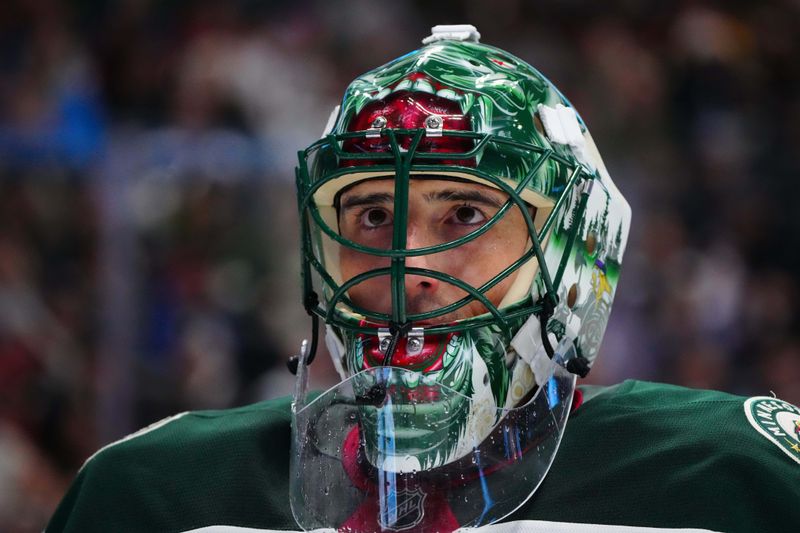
(469, 195)
(355, 200)
(447, 195)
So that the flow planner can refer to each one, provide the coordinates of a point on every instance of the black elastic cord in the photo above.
(397, 331)
(376, 395)
(312, 353)
(310, 303)
(292, 364)
(578, 365)
(548, 307)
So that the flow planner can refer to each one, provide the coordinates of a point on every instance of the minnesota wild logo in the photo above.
(778, 421)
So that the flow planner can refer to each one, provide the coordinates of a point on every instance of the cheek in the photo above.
(353, 263)
(479, 261)
(371, 292)
(482, 267)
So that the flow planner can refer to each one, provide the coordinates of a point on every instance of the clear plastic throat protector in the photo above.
(361, 452)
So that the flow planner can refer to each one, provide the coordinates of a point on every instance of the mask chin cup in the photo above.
(386, 450)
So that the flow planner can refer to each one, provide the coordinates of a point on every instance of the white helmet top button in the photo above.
(453, 32)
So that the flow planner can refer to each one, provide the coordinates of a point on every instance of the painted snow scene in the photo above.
(591, 273)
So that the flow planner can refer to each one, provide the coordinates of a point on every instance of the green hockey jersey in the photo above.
(635, 454)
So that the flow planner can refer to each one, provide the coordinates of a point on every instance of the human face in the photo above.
(439, 211)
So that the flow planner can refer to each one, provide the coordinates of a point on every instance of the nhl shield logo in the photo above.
(407, 512)
(778, 421)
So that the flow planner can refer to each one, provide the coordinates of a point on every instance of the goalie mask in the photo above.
(462, 241)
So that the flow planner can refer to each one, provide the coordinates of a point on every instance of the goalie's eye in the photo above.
(375, 217)
(468, 215)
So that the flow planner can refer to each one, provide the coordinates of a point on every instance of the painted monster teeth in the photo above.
(360, 105)
(451, 350)
(423, 86)
(430, 379)
(448, 94)
(402, 86)
(467, 100)
(411, 379)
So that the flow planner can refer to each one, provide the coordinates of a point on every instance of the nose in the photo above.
(418, 285)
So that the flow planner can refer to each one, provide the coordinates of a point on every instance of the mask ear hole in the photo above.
(591, 243)
(572, 296)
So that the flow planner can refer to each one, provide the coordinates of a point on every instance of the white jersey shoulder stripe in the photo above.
(237, 529)
(539, 526)
(152, 427)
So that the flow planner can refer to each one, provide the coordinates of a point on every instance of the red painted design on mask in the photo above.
(407, 109)
(429, 359)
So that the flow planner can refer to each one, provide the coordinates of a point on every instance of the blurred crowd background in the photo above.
(148, 258)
